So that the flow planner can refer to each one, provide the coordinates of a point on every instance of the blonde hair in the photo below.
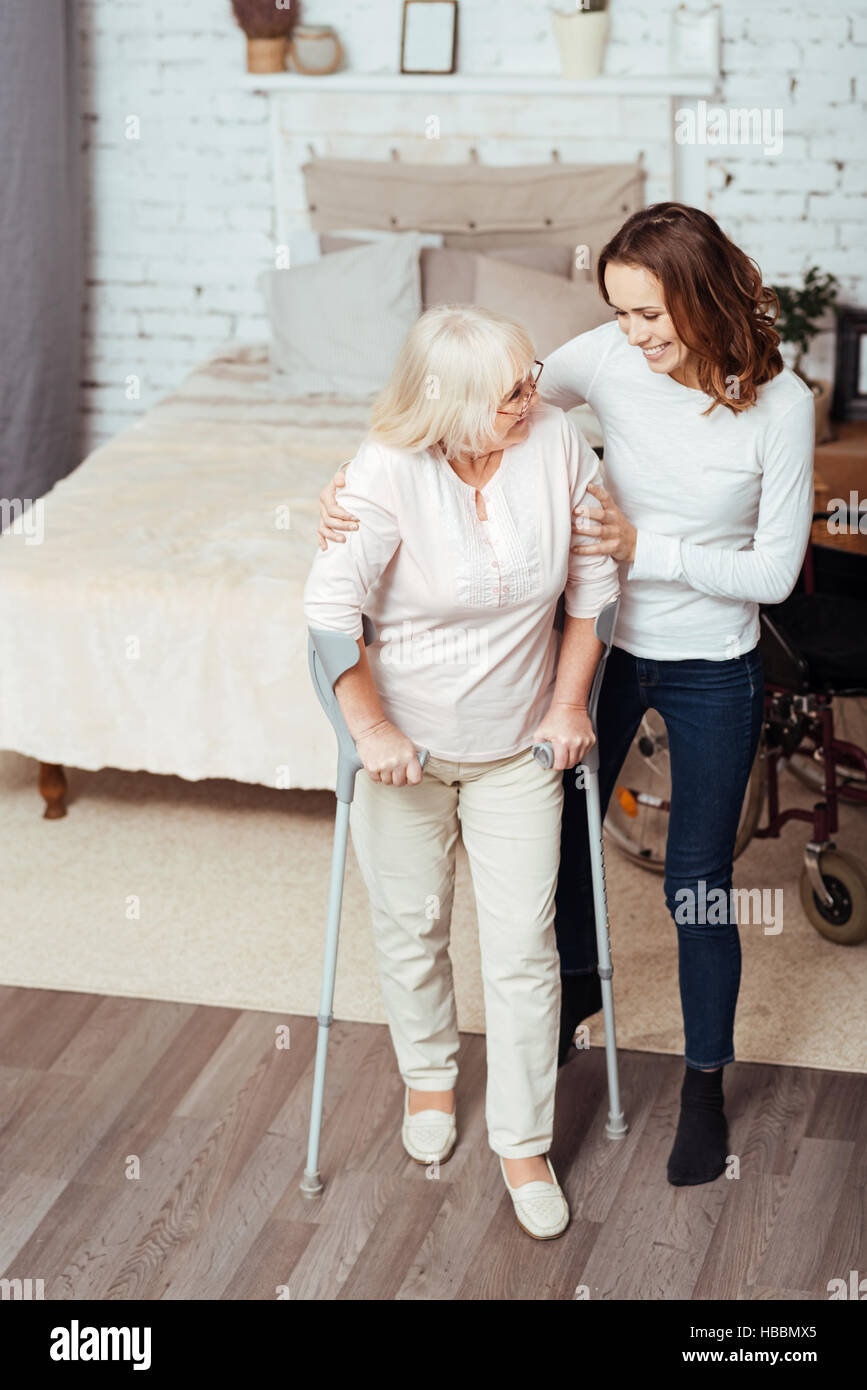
(457, 363)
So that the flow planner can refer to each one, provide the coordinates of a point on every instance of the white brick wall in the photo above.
(182, 217)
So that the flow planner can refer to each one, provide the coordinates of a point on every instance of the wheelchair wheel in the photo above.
(846, 880)
(637, 819)
(850, 726)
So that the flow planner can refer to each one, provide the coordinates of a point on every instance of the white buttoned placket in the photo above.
(493, 539)
(501, 568)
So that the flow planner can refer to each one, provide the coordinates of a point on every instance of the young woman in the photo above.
(708, 448)
(464, 547)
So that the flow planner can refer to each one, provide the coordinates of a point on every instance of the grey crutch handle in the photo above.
(544, 754)
(604, 629)
(329, 655)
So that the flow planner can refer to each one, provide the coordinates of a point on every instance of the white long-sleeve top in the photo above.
(466, 650)
(722, 503)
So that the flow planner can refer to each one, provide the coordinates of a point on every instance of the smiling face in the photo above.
(508, 432)
(636, 297)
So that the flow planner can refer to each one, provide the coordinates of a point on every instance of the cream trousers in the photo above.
(405, 838)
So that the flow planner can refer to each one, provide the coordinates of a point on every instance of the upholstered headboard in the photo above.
(477, 207)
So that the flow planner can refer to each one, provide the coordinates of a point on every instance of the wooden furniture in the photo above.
(53, 789)
(840, 471)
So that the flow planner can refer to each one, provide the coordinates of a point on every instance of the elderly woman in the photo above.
(465, 500)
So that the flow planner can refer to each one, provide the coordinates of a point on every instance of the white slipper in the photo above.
(429, 1136)
(540, 1207)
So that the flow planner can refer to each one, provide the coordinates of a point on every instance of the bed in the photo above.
(158, 624)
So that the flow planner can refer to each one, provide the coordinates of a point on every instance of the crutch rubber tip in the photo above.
(616, 1128)
(311, 1186)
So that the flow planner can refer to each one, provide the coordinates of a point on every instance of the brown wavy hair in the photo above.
(713, 294)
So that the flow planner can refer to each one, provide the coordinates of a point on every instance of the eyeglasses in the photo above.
(519, 414)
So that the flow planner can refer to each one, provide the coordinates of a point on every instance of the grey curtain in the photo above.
(40, 245)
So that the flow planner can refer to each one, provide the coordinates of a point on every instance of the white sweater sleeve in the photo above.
(767, 572)
(593, 580)
(569, 371)
(341, 576)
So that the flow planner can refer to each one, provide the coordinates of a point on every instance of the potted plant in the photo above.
(581, 35)
(800, 313)
(267, 24)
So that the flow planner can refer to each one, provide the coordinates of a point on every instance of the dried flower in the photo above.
(265, 19)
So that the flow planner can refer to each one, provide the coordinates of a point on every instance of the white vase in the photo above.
(315, 49)
(581, 38)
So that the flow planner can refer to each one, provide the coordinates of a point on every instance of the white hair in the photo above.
(456, 365)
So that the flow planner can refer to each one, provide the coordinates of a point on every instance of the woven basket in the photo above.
(266, 55)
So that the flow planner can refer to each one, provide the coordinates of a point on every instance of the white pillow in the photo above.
(306, 246)
(337, 325)
(552, 309)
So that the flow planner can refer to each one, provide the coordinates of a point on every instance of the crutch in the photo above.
(330, 654)
(544, 754)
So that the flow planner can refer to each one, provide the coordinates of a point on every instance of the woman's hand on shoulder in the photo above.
(613, 533)
(388, 755)
(569, 731)
(333, 520)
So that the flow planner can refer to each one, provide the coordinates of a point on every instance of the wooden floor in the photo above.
(216, 1116)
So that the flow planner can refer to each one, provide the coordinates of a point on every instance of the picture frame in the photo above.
(428, 39)
(850, 376)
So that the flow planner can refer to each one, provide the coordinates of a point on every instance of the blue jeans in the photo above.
(712, 711)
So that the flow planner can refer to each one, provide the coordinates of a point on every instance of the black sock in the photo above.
(581, 997)
(701, 1143)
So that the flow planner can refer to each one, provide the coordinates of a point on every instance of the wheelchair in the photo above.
(814, 655)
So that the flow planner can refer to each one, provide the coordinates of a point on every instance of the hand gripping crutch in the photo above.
(544, 754)
(330, 654)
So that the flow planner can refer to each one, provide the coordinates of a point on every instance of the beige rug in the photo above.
(215, 893)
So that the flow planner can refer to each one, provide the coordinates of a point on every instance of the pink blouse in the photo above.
(466, 651)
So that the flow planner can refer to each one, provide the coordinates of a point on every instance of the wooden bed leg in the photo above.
(52, 785)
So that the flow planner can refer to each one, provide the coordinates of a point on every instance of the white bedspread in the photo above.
(158, 625)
